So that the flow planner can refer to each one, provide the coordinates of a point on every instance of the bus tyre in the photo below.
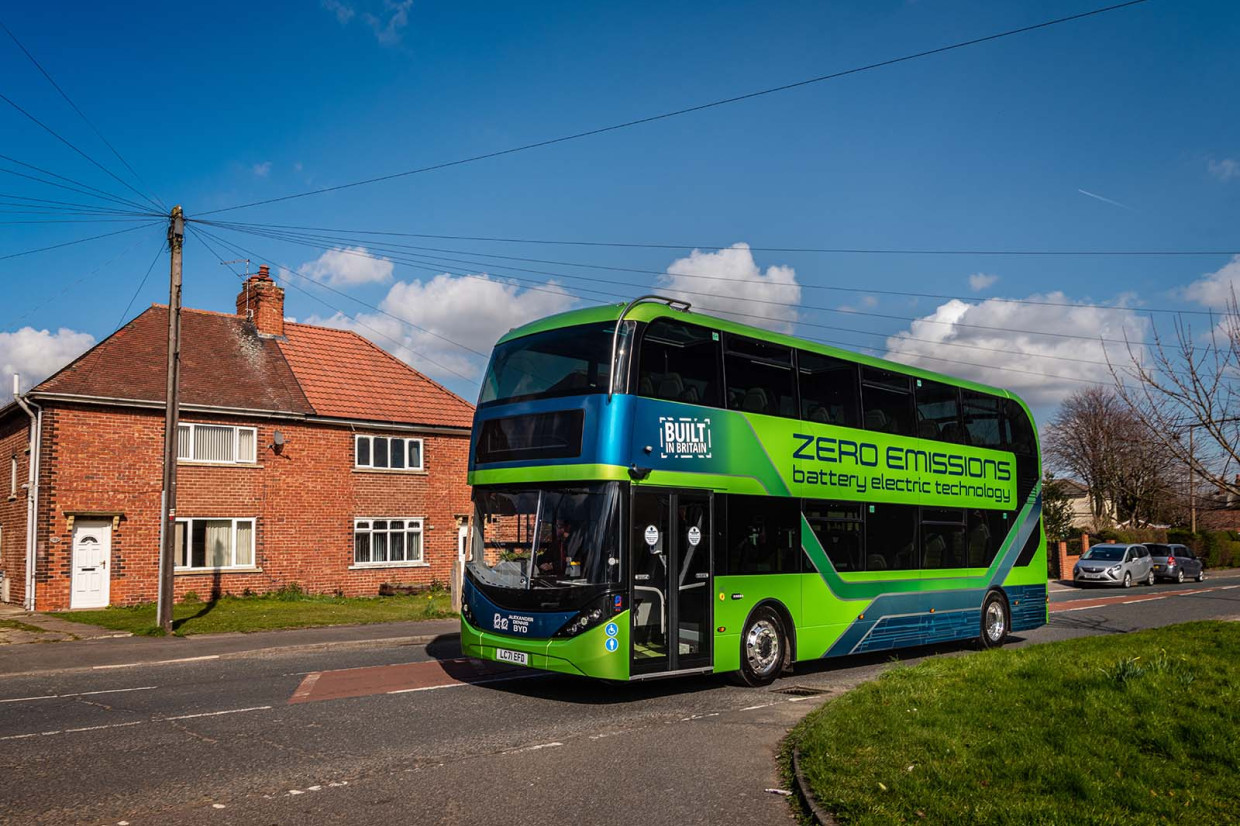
(764, 647)
(994, 620)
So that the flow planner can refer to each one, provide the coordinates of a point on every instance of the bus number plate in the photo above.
(518, 657)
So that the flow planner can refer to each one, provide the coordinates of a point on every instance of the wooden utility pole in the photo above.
(167, 549)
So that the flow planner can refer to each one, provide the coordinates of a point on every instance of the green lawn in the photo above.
(1129, 728)
(270, 612)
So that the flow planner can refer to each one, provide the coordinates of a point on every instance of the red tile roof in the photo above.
(226, 364)
(346, 376)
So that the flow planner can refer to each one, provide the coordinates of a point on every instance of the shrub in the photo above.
(191, 597)
(289, 591)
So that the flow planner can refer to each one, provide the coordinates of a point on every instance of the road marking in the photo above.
(473, 682)
(534, 748)
(78, 694)
(160, 662)
(761, 705)
(215, 713)
(110, 725)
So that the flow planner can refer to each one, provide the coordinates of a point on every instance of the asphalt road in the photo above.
(409, 734)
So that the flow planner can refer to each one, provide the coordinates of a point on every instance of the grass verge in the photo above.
(270, 612)
(1133, 728)
(18, 625)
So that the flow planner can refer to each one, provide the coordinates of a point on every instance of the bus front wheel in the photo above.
(994, 620)
(764, 647)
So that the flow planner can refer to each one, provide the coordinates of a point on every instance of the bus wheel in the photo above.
(994, 620)
(764, 646)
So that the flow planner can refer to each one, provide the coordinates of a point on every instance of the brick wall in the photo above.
(14, 442)
(304, 499)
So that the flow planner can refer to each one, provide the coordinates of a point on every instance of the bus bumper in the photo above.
(589, 654)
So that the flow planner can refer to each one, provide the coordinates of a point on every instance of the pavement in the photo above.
(370, 731)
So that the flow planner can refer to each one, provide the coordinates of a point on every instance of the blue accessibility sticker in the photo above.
(612, 629)
(612, 643)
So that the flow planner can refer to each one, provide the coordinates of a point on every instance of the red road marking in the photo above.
(382, 679)
(1129, 597)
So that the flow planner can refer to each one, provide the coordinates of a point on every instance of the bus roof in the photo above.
(650, 310)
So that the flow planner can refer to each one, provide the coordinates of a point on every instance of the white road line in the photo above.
(78, 694)
(753, 708)
(474, 682)
(215, 713)
(534, 748)
(160, 662)
(110, 725)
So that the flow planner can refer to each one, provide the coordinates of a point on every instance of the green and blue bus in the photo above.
(659, 492)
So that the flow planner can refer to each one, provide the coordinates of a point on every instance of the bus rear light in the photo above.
(721, 629)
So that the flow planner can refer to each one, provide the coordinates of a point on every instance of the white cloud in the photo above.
(36, 354)
(345, 266)
(389, 25)
(979, 281)
(343, 11)
(1217, 288)
(1226, 169)
(261, 170)
(473, 311)
(1064, 362)
(741, 288)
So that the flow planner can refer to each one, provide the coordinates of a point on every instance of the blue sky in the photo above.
(984, 148)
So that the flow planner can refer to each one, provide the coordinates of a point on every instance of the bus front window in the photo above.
(548, 538)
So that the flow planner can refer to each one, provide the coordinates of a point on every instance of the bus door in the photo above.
(670, 540)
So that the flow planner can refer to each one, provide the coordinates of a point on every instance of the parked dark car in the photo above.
(1121, 565)
(1176, 562)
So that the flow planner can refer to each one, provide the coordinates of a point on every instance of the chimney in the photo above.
(263, 302)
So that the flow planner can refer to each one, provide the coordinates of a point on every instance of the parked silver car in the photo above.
(1114, 565)
(1176, 562)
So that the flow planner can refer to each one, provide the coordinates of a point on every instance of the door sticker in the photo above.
(652, 535)
(695, 536)
(612, 643)
(612, 629)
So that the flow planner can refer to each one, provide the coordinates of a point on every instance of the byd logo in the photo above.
(684, 437)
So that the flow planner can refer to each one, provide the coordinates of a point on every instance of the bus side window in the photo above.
(938, 411)
(759, 377)
(679, 363)
(764, 535)
(891, 538)
(987, 531)
(981, 419)
(1018, 430)
(829, 390)
(887, 402)
(839, 528)
(944, 541)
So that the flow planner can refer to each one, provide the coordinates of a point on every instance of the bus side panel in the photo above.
(826, 617)
(735, 598)
(1026, 590)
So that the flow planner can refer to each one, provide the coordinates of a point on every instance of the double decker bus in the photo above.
(659, 492)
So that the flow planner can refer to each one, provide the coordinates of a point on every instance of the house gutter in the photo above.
(32, 489)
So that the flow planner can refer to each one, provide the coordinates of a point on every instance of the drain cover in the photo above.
(801, 691)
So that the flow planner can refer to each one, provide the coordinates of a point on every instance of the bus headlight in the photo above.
(590, 616)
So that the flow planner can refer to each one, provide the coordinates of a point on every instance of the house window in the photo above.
(388, 453)
(387, 542)
(217, 444)
(214, 543)
(13, 477)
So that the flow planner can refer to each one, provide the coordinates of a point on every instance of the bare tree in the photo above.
(1187, 395)
(1097, 439)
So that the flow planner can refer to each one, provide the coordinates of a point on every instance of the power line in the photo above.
(716, 247)
(690, 109)
(708, 308)
(826, 287)
(78, 241)
(199, 233)
(80, 188)
(405, 258)
(80, 113)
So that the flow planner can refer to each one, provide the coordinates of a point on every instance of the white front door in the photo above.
(92, 556)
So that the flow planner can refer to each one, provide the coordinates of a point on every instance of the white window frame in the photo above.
(188, 535)
(13, 477)
(370, 437)
(409, 521)
(236, 443)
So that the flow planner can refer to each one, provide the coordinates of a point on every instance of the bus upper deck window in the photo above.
(829, 391)
(887, 402)
(679, 363)
(759, 377)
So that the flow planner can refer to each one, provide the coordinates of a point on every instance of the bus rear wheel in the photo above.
(764, 647)
(994, 620)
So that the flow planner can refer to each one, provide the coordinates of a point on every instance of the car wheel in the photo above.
(1127, 579)
(1179, 576)
(1201, 575)
(994, 620)
(763, 648)
(1149, 580)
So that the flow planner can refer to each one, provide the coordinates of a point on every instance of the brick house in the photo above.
(307, 456)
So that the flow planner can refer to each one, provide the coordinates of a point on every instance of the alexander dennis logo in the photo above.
(684, 437)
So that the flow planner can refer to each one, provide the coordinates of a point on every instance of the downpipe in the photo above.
(32, 489)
